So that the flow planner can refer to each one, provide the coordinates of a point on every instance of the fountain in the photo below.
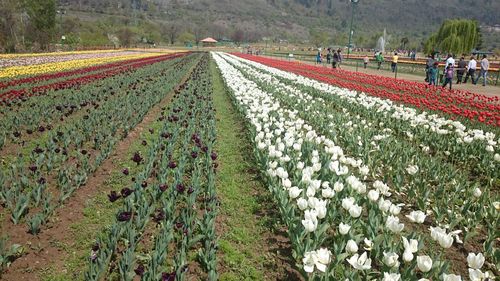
(382, 41)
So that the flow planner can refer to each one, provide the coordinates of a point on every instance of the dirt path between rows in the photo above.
(45, 249)
(252, 241)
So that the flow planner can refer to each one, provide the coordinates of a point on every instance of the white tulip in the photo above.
(351, 246)
(300, 165)
(360, 262)
(412, 169)
(338, 187)
(476, 275)
(344, 228)
(368, 244)
(391, 277)
(407, 256)
(286, 183)
(410, 245)
(384, 205)
(391, 259)
(477, 192)
(310, 225)
(393, 224)
(416, 216)
(327, 193)
(355, 211)
(347, 203)
(475, 261)
(394, 210)
(309, 260)
(373, 195)
(497, 157)
(302, 203)
(424, 263)
(323, 258)
(294, 192)
(490, 148)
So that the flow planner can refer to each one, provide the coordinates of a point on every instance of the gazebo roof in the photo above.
(209, 40)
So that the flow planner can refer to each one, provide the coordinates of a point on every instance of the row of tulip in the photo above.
(59, 84)
(466, 213)
(343, 201)
(29, 70)
(172, 194)
(28, 55)
(59, 75)
(60, 160)
(455, 103)
(48, 58)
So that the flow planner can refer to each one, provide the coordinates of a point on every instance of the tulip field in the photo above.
(117, 165)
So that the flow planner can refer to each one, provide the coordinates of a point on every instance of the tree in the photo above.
(125, 35)
(186, 38)
(238, 36)
(318, 38)
(404, 41)
(171, 32)
(454, 36)
(42, 16)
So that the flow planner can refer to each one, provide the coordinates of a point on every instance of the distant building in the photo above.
(209, 42)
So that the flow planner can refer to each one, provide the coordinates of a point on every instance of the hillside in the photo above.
(292, 19)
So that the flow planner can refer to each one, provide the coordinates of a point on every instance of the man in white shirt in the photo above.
(471, 70)
(450, 60)
(485, 65)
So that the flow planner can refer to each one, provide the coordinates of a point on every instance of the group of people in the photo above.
(333, 56)
(379, 58)
(462, 67)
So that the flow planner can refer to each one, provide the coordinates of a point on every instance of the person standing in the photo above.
(329, 56)
(485, 65)
(340, 58)
(448, 72)
(462, 64)
(335, 59)
(394, 63)
(318, 57)
(471, 70)
(365, 61)
(432, 73)
(380, 59)
(450, 59)
(428, 65)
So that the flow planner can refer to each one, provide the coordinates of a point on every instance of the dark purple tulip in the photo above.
(190, 190)
(84, 152)
(41, 129)
(33, 168)
(139, 270)
(96, 247)
(132, 179)
(180, 188)
(172, 165)
(151, 131)
(113, 196)
(38, 150)
(42, 180)
(179, 225)
(17, 134)
(163, 187)
(205, 149)
(137, 158)
(213, 155)
(144, 184)
(125, 192)
(144, 143)
(49, 127)
(60, 134)
(65, 152)
(124, 216)
(159, 216)
(165, 276)
(194, 154)
(125, 171)
(29, 131)
(57, 150)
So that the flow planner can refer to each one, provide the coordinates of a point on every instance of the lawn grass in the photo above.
(242, 242)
